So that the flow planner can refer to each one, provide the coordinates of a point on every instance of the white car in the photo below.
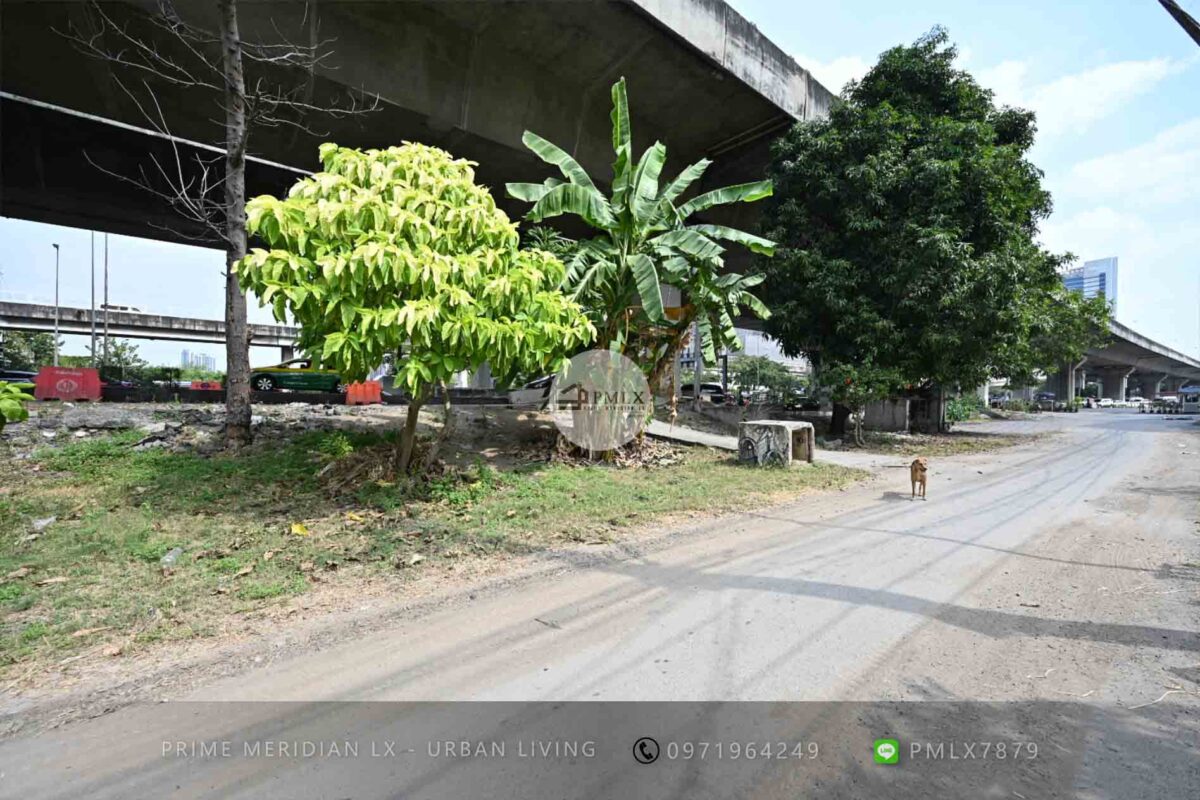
(1106, 402)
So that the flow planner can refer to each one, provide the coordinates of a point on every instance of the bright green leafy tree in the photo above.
(907, 223)
(397, 249)
(645, 239)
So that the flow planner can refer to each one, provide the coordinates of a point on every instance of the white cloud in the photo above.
(834, 74)
(1159, 265)
(1163, 170)
(1073, 103)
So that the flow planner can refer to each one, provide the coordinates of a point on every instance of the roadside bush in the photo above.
(962, 408)
(12, 404)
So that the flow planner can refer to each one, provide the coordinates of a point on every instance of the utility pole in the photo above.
(93, 298)
(106, 299)
(56, 305)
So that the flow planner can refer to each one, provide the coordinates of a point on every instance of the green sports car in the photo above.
(301, 374)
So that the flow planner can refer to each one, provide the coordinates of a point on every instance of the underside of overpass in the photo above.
(1127, 364)
(469, 76)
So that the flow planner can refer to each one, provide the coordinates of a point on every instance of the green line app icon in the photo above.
(887, 751)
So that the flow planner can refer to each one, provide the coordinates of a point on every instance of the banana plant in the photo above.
(645, 240)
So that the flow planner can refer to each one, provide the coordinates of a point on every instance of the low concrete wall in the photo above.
(890, 415)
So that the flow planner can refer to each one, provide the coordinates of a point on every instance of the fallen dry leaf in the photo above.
(112, 650)
(55, 579)
(267, 556)
(244, 571)
(353, 517)
(307, 566)
(19, 572)
(300, 529)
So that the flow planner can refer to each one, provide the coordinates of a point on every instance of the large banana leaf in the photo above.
(553, 154)
(675, 188)
(645, 181)
(622, 137)
(622, 146)
(531, 192)
(572, 199)
(738, 193)
(756, 244)
(690, 242)
(646, 277)
(731, 280)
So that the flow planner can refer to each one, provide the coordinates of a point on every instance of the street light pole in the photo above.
(105, 299)
(93, 298)
(56, 305)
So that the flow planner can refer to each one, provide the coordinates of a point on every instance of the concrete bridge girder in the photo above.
(470, 76)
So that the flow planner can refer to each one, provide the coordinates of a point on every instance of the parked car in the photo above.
(1045, 401)
(533, 394)
(19, 377)
(713, 392)
(1106, 402)
(300, 374)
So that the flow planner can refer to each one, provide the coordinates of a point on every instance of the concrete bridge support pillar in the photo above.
(1059, 382)
(287, 352)
(1114, 382)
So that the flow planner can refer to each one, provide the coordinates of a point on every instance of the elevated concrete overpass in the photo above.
(469, 76)
(39, 318)
(1128, 361)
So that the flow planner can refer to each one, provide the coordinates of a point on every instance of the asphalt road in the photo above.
(1044, 595)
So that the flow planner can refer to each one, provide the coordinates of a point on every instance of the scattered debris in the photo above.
(79, 634)
(168, 561)
(54, 580)
(40, 525)
(18, 573)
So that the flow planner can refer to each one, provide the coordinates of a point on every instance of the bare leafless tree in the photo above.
(207, 185)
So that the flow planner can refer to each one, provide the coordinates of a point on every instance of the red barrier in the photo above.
(366, 393)
(209, 385)
(63, 383)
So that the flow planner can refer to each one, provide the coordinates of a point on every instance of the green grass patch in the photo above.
(258, 528)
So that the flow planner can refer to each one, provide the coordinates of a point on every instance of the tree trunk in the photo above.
(237, 338)
(446, 431)
(837, 425)
(408, 436)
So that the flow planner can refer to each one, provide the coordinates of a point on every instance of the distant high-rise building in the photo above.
(197, 360)
(1095, 279)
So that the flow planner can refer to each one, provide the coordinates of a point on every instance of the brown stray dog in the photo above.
(917, 471)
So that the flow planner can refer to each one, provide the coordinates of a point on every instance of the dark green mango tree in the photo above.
(907, 225)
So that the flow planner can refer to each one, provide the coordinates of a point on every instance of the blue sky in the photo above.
(1116, 87)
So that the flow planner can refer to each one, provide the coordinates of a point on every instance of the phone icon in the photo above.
(645, 750)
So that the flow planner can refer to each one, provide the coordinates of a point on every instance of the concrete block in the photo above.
(775, 442)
